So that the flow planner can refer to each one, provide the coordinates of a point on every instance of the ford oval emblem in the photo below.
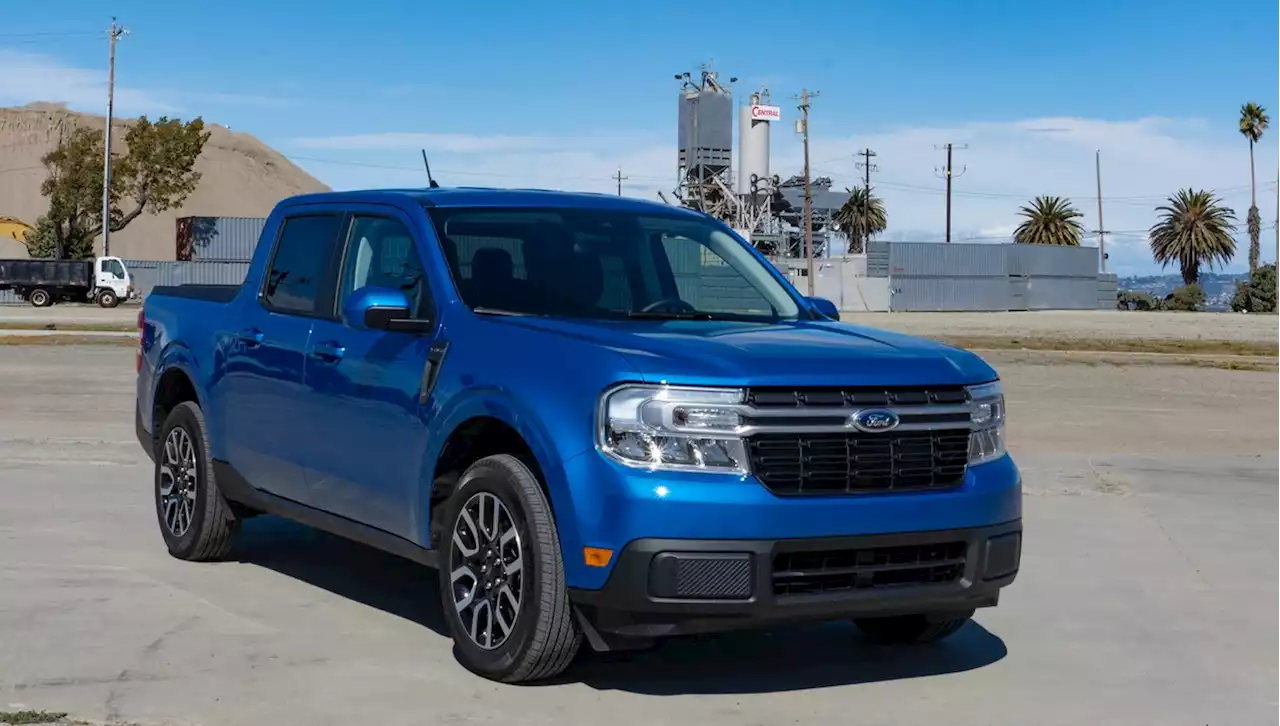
(874, 420)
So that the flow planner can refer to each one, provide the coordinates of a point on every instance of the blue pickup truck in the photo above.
(599, 419)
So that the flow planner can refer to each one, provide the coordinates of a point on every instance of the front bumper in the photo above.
(674, 587)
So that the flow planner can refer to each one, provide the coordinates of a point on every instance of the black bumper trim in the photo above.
(625, 606)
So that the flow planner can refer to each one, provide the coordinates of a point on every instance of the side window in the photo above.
(380, 253)
(294, 282)
(113, 267)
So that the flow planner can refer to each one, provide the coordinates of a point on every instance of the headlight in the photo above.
(673, 428)
(986, 442)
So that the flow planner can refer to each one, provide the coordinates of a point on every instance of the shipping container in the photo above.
(1062, 293)
(878, 259)
(218, 239)
(944, 293)
(914, 259)
(1052, 261)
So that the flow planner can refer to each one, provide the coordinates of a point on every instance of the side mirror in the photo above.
(825, 307)
(381, 308)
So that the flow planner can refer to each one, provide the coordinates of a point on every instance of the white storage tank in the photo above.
(754, 119)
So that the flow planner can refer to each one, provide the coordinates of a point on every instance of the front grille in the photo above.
(854, 463)
(822, 571)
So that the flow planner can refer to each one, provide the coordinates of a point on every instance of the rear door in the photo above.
(268, 427)
(368, 431)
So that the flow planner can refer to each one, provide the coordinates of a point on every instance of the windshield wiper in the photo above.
(669, 315)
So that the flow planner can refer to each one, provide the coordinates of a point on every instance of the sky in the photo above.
(561, 95)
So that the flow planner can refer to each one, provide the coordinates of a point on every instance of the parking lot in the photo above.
(1147, 595)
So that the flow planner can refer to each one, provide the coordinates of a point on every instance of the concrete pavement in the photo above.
(1147, 594)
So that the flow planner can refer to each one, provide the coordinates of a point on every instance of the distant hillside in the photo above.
(1218, 287)
(242, 177)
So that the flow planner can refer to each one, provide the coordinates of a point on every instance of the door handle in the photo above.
(329, 351)
(251, 337)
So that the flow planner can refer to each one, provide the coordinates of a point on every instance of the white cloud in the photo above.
(29, 77)
(1004, 165)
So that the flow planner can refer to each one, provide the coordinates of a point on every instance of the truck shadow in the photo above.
(347, 569)
(783, 659)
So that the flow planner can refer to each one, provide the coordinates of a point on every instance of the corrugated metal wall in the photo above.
(1108, 291)
(148, 274)
(218, 239)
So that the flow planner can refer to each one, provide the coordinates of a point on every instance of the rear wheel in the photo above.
(501, 575)
(196, 521)
(911, 628)
(108, 299)
(40, 298)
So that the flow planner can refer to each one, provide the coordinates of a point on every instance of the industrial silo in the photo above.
(754, 119)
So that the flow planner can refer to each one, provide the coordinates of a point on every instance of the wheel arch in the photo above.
(483, 425)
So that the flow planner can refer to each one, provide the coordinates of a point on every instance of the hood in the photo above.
(806, 353)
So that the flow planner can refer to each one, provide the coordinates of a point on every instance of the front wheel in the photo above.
(502, 580)
(902, 629)
(108, 299)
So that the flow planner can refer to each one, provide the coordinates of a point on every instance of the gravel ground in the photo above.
(1147, 592)
(1078, 324)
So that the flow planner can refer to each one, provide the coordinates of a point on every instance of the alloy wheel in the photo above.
(178, 481)
(486, 565)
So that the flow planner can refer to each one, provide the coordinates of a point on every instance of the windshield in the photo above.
(605, 264)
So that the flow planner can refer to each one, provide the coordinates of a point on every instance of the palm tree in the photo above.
(1194, 229)
(861, 217)
(1253, 122)
(1050, 221)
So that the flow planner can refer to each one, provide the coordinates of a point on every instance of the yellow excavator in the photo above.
(12, 228)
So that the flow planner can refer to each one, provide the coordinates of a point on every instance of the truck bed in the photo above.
(208, 293)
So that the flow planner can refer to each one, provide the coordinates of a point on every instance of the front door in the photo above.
(264, 389)
(365, 461)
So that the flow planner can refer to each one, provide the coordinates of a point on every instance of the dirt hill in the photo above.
(242, 177)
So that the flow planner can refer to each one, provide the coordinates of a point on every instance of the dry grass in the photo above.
(68, 340)
(1113, 345)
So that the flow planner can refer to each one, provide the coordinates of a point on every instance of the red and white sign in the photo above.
(766, 113)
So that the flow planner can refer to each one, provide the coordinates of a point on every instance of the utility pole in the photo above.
(620, 178)
(805, 96)
(948, 173)
(113, 35)
(1102, 238)
(867, 167)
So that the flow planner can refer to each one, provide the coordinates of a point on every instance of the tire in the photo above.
(40, 298)
(542, 637)
(108, 299)
(904, 629)
(210, 524)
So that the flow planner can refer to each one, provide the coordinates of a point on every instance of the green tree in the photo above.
(1188, 298)
(1253, 122)
(1049, 221)
(1258, 294)
(155, 174)
(1194, 229)
(861, 218)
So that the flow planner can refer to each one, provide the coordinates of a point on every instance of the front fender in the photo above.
(505, 407)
